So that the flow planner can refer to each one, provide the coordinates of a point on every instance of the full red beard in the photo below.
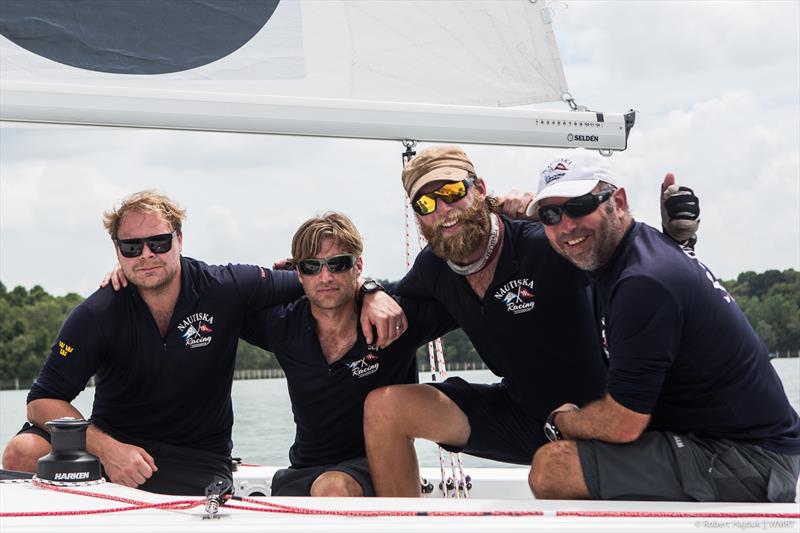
(474, 227)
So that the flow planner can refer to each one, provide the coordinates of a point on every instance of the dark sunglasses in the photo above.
(425, 204)
(158, 244)
(337, 263)
(550, 215)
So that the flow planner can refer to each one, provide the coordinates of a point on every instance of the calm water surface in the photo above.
(264, 429)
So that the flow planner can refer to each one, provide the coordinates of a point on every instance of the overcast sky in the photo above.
(716, 86)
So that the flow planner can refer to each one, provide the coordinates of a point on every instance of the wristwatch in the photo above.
(551, 429)
(368, 287)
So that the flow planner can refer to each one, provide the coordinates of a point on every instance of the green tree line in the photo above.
(771, 302)
(30, 321)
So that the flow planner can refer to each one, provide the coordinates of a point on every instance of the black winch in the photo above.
(68, 460)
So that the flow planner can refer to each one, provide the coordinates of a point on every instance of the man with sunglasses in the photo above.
(163, 352)
(329, 365)
(692, 409)
(523, 307)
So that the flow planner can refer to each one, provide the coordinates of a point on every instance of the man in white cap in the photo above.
(693, 410)
(523, 307)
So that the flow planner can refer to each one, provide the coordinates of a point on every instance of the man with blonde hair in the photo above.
(330, 367)
(162, 351)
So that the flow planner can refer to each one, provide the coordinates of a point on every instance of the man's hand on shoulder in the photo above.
(116, 277)
(283, 264)
(680, 211)
(381, 311)
(514, 204)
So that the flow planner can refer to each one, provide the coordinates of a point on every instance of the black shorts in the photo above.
(181, 470)
(297, 481)
(27, 427)
(499, 429)
(667, 466)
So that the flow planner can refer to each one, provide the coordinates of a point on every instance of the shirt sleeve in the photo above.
(427, 320)
(414, 284)
(262, 287)
(644, 326)
(264, 327)
(73, 359)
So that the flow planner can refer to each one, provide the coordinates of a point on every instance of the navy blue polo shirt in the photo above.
(534, 327)
(175, 389)
(681, 350)
(328, 400)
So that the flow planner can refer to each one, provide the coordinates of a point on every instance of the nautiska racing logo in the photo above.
(365, 366)
(556, 169)
(196, 330)
(517, 296)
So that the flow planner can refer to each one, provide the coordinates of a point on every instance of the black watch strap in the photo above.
(551, 430)
(368, 287)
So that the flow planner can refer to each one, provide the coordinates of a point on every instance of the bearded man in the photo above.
(693, 409)
(524, 308)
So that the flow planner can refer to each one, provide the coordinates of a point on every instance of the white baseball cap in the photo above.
(573, 173)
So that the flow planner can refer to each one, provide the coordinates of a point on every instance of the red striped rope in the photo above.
(271, 507)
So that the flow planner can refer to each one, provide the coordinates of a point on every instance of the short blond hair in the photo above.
(307, 240)
(148, 201)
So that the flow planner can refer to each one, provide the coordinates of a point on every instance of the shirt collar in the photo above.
(616, 258)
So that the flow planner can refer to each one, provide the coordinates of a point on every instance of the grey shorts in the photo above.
(667, 466)
(297, 481)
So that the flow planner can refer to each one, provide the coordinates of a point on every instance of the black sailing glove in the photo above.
(680, 214)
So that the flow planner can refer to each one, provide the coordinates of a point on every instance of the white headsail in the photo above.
(418, 69)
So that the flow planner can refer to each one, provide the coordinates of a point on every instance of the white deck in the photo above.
(497, 483)
(605, 516)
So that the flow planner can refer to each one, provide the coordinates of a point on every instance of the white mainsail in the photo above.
(406, 69)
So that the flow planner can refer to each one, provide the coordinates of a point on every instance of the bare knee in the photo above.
(380, 408)
(538, 477)
(23, 452)
(336, 484)
(555, 472)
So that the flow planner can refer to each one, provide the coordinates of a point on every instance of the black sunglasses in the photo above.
(337, 263)
(158, 244)
(550, 215)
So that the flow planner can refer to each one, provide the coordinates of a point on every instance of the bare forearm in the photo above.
(604, 420)
(97, 442)
(45, 409)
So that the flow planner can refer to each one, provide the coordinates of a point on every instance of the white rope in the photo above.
(437, 364)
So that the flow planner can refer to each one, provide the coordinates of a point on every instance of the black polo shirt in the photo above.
(328, 400)
(173, 390)
(681, 350)
(535, 326)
